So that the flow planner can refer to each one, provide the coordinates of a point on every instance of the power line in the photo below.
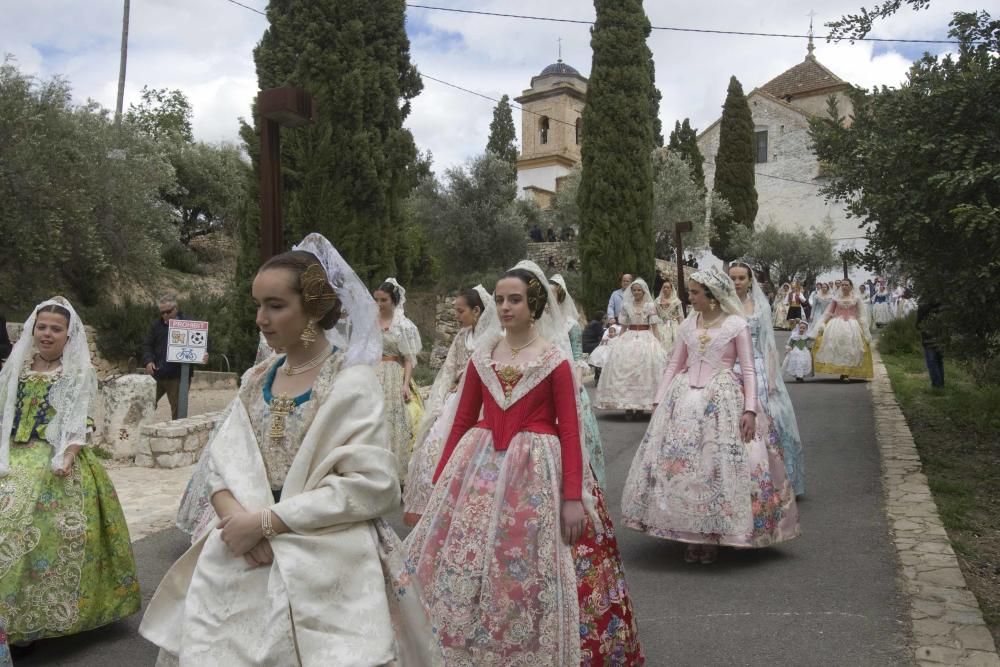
(487, 97)
(741, 33)
(253, 9)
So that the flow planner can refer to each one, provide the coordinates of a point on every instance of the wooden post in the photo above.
(279, 107)
(681, 228)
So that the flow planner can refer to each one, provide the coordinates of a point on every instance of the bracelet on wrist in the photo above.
(265, 525)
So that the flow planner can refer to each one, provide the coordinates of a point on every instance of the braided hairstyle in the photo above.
(391, 290)
(537, 297)
(319, 299)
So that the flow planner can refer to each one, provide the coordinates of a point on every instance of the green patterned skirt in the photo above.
(66, 561)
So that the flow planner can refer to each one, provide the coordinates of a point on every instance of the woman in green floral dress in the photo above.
(66, 561)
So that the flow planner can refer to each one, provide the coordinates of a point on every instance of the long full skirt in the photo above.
(397, 413)
(668, 335)
(66, 561)
(592, 437)
(798, 363)
(781, 316)
(426, 455)
(500, 584)
(776, 407)
(841, 349)
(694, 480)
(884, 313)
(633, 371)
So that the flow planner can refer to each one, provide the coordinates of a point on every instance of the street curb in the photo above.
(946, 621)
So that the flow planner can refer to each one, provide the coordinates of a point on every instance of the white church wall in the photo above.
(539, 177)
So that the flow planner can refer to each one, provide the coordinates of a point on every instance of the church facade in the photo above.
(550, 131)
(789, 175)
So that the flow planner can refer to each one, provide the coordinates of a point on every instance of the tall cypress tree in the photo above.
(616, 186)
(345, 175)
(734, 170)
(503, 138)
(684, 141)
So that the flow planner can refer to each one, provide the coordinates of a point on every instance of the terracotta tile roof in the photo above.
(806, 78)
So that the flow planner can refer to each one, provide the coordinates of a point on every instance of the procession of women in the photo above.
(499, 469)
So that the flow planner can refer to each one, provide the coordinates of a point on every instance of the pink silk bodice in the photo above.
(727, 344)
(843, 312)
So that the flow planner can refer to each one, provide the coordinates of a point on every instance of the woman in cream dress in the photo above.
(301, 569)
(671, 313)
(477, 314)
(400, 347)
(843, 340)
(637, 360)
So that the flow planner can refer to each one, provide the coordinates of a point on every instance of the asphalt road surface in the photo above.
(827, 598)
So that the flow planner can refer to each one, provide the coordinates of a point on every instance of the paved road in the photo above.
(827, 598)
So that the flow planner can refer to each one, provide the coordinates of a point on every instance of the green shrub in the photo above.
(179, 257)
(900, 336)
(120, 328)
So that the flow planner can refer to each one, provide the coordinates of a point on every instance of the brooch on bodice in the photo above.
(281, 407)
(509, 376)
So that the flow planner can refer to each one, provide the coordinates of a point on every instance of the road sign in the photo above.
(187, 342)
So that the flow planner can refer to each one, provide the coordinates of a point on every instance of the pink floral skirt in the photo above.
(500, 584)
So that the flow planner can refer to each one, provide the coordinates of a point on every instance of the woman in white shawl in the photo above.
(301, 569)
(671, 311)
(638, 360)
(400, 347)
(477, 314)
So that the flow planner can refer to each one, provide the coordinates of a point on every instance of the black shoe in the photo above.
(22, 650)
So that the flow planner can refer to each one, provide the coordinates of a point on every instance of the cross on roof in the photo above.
(559, 41)
(810, 48)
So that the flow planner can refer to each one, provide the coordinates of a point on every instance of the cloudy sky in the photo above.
(204, 48)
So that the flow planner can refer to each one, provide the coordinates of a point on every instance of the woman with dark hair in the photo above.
(400, 347)
(301, 568)
(477, 315)
(515, 551)
(843, 337)
(66, 562)
(703, 475)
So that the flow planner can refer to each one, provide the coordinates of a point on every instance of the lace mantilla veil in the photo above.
(722, 288)
(410, 344)
(570, 313)
(70, 395)
(358, 331)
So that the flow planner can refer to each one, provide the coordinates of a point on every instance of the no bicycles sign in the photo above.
(187, 342)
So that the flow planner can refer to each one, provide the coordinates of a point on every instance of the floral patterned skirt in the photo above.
(397, 415)
(694, 480)
(633, 371)
(500, 584)
(426, 454)
(66, 561)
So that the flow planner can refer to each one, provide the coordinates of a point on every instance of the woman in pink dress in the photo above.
(703, 474)
(843, 337)
(515, 549)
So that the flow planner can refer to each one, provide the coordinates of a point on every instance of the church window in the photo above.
(543, 130)
(578, 121)
(760, 142)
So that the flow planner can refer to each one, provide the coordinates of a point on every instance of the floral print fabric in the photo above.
(67, 565)
(391, 375)
(635, 365)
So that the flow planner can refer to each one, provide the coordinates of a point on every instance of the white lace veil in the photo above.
(489, 321)
(854, 299)
(722, 288)
(357, 332)
(568, 309)
(410, 344)
(70, 395)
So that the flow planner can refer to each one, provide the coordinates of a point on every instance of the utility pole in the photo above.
(121, 67)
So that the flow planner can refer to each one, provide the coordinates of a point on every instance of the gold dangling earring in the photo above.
(711, 306)
(308, 335)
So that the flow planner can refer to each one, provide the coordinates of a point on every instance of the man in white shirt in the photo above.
(615, 302)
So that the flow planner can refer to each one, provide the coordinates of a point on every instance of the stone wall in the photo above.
(175, 443)
(445, 328)
(555, 257)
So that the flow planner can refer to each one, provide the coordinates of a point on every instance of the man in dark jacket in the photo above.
(932, 353)
(154, 353)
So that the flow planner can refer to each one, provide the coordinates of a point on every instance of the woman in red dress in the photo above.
(515, 552)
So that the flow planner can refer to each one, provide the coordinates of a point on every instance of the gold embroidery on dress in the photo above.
(509, 377)
(281, 407)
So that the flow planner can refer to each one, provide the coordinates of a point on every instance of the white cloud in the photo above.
(205, 48)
